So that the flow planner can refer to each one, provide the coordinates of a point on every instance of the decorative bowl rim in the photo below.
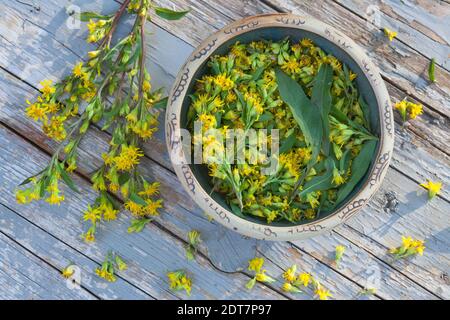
(224, 216)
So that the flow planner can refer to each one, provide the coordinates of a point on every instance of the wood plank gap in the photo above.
(380, 29)
(68, 245)
(391, 266)
(37, 256)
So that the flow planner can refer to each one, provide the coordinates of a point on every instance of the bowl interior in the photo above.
(277, 34)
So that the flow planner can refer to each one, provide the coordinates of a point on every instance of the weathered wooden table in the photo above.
(37, 241)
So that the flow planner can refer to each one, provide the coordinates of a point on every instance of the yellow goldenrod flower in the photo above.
(67, 272)
(91, 26)
(433, 188)
(208, 121)
(92, 214)
(337, 178)
(409, 247)
(55, 198)
(304, 279)
(105, 274)
(150, 189)
(402, 106)
(224, 82)
(151, 209)
(290, 274)
(133, 207)
(415, 110)
(390, 34)
(178, 280)
(255, 264)
(47, 88)
(291, 66)
(322, 293)
(37, 111)
(128, 158)
(78, 70)
(93, 54)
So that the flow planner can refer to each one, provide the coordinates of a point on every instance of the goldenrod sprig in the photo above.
(256, 265)
(194, 241)
(409, 247)
(179, 280)
(111, 87)
(108, 268)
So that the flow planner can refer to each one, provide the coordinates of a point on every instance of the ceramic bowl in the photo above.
(195, 179)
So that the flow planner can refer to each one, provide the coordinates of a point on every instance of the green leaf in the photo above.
(67, 179)
(251, 283)
(169, 14)
(431, 70)
(322, 182)
(359, 168)
(321, 97)
(123, 178)
(366, 112)
(137, 199)
(258, 73)
(288, 143)
(161, 104)
(137, 225)
(236, 210)
(85, 16)
(341, 117)
(303, 110)
(29, 179)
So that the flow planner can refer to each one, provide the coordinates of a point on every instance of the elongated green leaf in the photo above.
(85, 16)
(366, 112)
(359, 168)
(169, 14)
(67, 179)
(236, 210)
(431, 69)
(341, 117)
(305, 113)
(322, 182)
(321, 97)
(258, 73)
(137, 199)
(288, 143)
(137, 225)
(29, 179)
(161, 104)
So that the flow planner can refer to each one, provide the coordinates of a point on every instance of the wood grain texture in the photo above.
(59, 255)
(24, 276)
(180, 217)
(149, 254)
(418, 23)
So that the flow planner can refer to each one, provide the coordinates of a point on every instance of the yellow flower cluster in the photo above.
(408, 248)
(406, 108)
(241, 93)
(433, 188)
(294, 282)
(256, 265)
(108, 268)
(178, 280)
(128, 158)
(98, 29)
(390, 34)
